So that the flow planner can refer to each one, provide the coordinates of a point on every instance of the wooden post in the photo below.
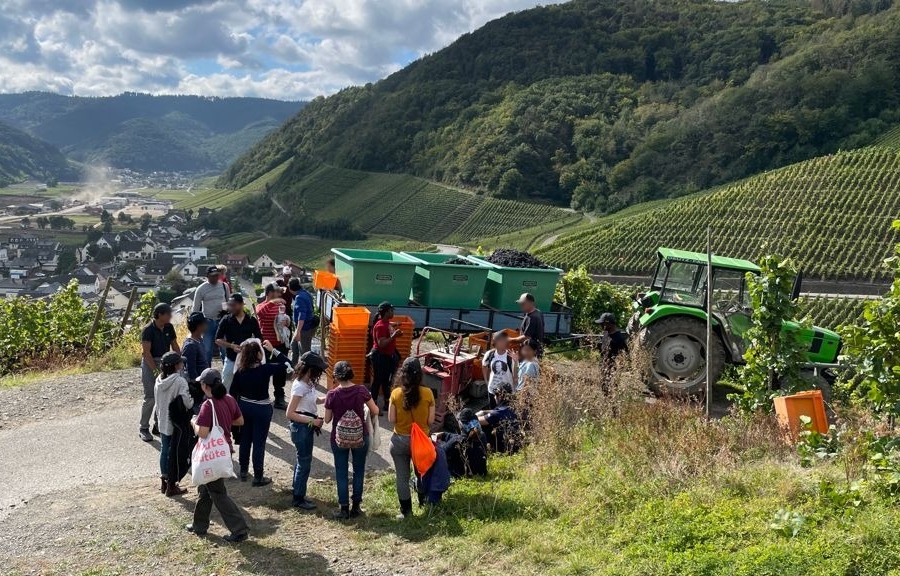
(100, 309)
(709, 289)
(128, 308)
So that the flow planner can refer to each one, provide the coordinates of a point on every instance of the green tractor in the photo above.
(671, 318)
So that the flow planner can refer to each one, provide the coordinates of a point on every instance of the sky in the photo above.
(284, 49)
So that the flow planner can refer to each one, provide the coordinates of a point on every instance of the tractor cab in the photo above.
(671, 319)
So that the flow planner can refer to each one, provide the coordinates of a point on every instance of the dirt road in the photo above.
(79, 475)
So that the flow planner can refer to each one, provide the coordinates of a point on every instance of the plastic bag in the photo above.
(422, 448)
(211, 458)
(373, 429)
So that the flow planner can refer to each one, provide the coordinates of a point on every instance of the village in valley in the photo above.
(126, 239)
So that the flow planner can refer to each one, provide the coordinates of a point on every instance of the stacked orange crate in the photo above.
(348, 339)
(405, 342)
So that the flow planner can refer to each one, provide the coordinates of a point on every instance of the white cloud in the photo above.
(290, 49)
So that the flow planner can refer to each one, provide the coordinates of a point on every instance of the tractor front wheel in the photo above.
(677, 347)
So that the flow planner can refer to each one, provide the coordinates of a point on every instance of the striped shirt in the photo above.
(266, 313)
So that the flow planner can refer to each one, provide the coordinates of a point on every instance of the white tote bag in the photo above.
(373, 429)
(211, 458)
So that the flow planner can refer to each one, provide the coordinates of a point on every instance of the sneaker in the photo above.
(190, 528)
(305, 504)
(235, 538)
(146, 436)
(175, 490)
(155, 430)
(356, 511)
(262, 481)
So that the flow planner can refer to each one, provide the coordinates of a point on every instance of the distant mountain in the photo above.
(144, 132)
(23, 156)
(600, 104)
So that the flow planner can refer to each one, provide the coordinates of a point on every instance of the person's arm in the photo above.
(432, 414)
(385, 341)
(293, 416)
(220, 336)
(257, 331)
(148, 357)
(328, 415)
(485, 368)
(175, 347)
(373, 407)
(198, 300)
(201, 431)
(185, 394)
(392, 413)
(191, 356)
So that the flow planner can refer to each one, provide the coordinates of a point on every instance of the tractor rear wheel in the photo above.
(677, 347)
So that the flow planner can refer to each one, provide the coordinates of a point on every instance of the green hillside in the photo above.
(602, 104)
(23, 157)
(831, 214)
(328, 201)
(145, 133)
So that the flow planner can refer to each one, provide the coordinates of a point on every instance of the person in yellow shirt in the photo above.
(410, 403)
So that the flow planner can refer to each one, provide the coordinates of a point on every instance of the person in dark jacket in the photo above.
(251, 389)
(182, 441)
(194, 349)
(432, 485)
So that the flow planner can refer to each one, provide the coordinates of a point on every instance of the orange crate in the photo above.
(482, 341)
(324, 280)
(351, 318)
(789, 409)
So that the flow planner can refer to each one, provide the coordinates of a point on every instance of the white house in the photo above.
(188, 270)
(190, 253)
(264, 261)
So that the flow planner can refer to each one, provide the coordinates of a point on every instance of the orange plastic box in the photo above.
(789, 409)
(324, 280)
(350, 318)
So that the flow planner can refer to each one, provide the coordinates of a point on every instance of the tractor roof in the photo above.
(700, 258)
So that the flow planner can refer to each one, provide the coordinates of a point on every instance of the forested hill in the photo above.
(23, 156)
(144, 132)
(605, 103)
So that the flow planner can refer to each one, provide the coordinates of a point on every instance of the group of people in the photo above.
(188, 395)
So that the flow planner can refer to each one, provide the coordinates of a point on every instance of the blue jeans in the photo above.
(304, 438)
(209, 340)
(257, 419)
(342, 472)
(165, 442)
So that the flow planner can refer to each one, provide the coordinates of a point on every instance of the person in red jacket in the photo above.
(385, 357)
(267, 312)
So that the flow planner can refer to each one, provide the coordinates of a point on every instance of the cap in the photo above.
(212, 270)
(162, 308)
(210, 376)
(606, 318)
(236, 298)
(384, 306)
(525, 297)
(287, 270)
(170, 359)
(273, 287)
(313, 360)
(195, 320)
(412, 364)
(343, 371)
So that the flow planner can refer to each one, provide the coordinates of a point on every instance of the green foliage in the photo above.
(23, 156)
(872, 347)
(34, 333)
(589, 299)
(787, 523)
(145, 132)
(791, 211)
(813, 446)
(774, 355)
(602, 104)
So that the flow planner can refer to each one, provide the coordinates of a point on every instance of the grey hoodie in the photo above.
(165, 390)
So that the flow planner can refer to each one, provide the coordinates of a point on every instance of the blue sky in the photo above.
(286, 49)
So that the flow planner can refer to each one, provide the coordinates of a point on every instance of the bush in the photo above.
(589, 299)
(41, 333)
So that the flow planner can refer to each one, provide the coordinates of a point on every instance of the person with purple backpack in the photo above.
(345, 405)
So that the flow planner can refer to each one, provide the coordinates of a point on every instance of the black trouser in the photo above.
(383, 368)
(280, 379)
(215, 493)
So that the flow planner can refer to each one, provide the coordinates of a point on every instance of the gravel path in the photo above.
(72, 446)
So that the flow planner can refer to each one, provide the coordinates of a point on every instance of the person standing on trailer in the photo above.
(532, 327)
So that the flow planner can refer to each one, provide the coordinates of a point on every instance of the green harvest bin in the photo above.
(439, 285)
(373, 276)
(505, 285)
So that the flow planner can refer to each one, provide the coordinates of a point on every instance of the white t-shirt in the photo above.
(501, 375)
(307, 394)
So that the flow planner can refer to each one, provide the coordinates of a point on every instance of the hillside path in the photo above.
(74, 431)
